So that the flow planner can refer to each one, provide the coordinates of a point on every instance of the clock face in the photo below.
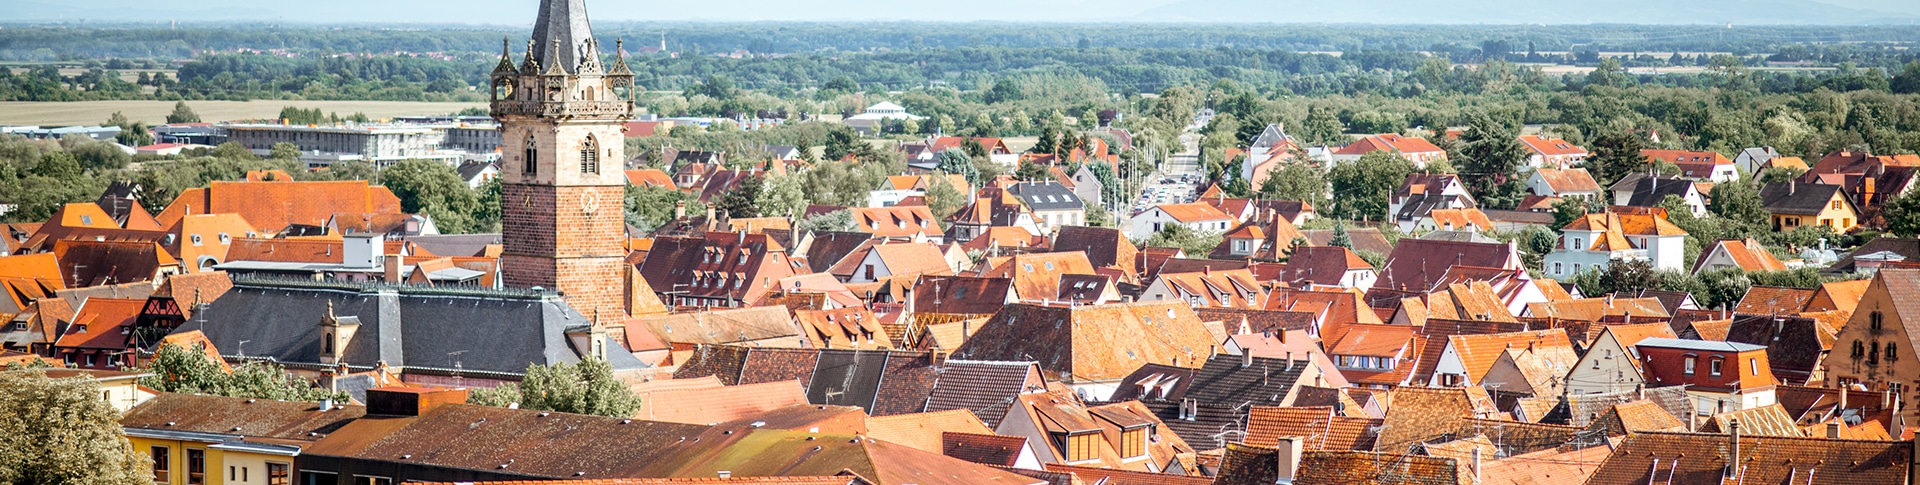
(590, 203)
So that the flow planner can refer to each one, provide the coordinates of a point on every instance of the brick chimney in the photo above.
(1289, 448)
(391, 268)
(411, 401)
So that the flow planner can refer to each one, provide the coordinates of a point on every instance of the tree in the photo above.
(181, 113)
(1030, 171)
(1908, 81)
(836, 221)
(59, 431)
(1616, 154)
(284, 151)
(1195, 243)
(435, 189)
(943, 198)
(1490, 159)
(1323, 127)
(58, 165)
(1903, 214)
(1295, 181)
(189, 370)
(1632, 276)
(740, 202)
(648, 207)
(1737, 200)
(1340, 236)
(1361, 188)
(957, 161)
(1047, 142)
(588, 387)
(1570, 208)
(782, 195)
(842, 141)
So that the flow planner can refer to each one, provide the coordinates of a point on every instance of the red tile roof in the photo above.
(1551, 146)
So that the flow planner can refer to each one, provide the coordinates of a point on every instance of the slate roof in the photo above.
(1650, 191)
(1581, 409)
(456, 244)
(1765, 459)
(983, 387)
(1796, 198)
(402, 326)
(1046, 196)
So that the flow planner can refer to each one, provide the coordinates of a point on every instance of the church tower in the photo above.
(562, 114)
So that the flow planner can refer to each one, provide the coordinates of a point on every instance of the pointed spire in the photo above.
(564, 22)
(553, 68)
(619, 59)
(530, 65)
(506, 59)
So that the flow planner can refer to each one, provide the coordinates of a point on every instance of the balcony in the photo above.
(608, 109)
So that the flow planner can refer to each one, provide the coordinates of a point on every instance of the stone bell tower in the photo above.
(561, 114)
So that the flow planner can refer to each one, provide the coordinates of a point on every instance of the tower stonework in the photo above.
(562, 113)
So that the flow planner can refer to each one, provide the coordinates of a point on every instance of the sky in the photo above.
(520, 12)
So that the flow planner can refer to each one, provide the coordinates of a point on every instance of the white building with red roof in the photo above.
(1416, 150)
(1551, 152)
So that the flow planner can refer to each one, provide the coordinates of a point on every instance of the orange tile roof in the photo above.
(1551, 466)
(705, 400)
(99, 322)
(1637, 417)
(1037, 275)
(1747, 254)
(1569, 180)
(1319, 426)
(1839, 295)
(1685, 156)
(896, 221)
(1478, 352)
(273, 205)
(1774, 300)
(1551, 146)
(922, 431)
(1460, 219)
(649, 177)
(1193, 212)
(1375, 341)
(844, 328)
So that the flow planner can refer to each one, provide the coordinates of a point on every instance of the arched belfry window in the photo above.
(529, 162)
(590, 156)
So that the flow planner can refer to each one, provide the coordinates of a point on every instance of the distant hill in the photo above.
(1694, 12)
(520, 12)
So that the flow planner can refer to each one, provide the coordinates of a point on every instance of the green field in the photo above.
(155, 112)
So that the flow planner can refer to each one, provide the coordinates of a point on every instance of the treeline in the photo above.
(49, 43)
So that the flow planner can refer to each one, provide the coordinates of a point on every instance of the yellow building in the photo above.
(1793, 205)
(213, 440)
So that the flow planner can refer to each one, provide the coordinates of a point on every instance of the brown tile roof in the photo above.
(1095, 343)
(262, 418)
(1422, 414)
(303, 250)
(1368, 468)
(846, 479)
(1108, 476)
(1764, 459)
(1242, 464)
(983, 448)
(1774, 300)
(1415, 264)
(102, 323)
(1320, 428)
(93, 263)
(843, 328)
(923, 431)
(1599, 309)
(897, 221)
(1637, 417)
(1104, 247)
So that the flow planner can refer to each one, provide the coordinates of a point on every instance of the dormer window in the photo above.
(196, 239)
(225, 239)
(1713, 368)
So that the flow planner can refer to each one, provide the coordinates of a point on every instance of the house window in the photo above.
(1558, 268)
(1080, 447)
(1689, 366)
(225, 239)
(1874, 319)
(277, 474)
(1713, 368)
(869, 272)
(162, 464)
(196, 467)
(529, 161)
(1753, 366)
(367, 480)
(1889, 353)
(1133, 443)
(1859, 349)
(1578, 244)
(590, 156)
(1576, 267)
(1836, 205)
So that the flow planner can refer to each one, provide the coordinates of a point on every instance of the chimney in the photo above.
(1843, 397)
(680, 210)
(1246, 358)
(1289, 448)
(392, 268)
(1833, 430)
(1733, 448)
(1476, 464)
(411, 401)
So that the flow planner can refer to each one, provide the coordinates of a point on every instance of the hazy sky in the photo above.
(520, 12)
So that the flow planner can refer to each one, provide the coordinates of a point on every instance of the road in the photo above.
(1177, 179)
